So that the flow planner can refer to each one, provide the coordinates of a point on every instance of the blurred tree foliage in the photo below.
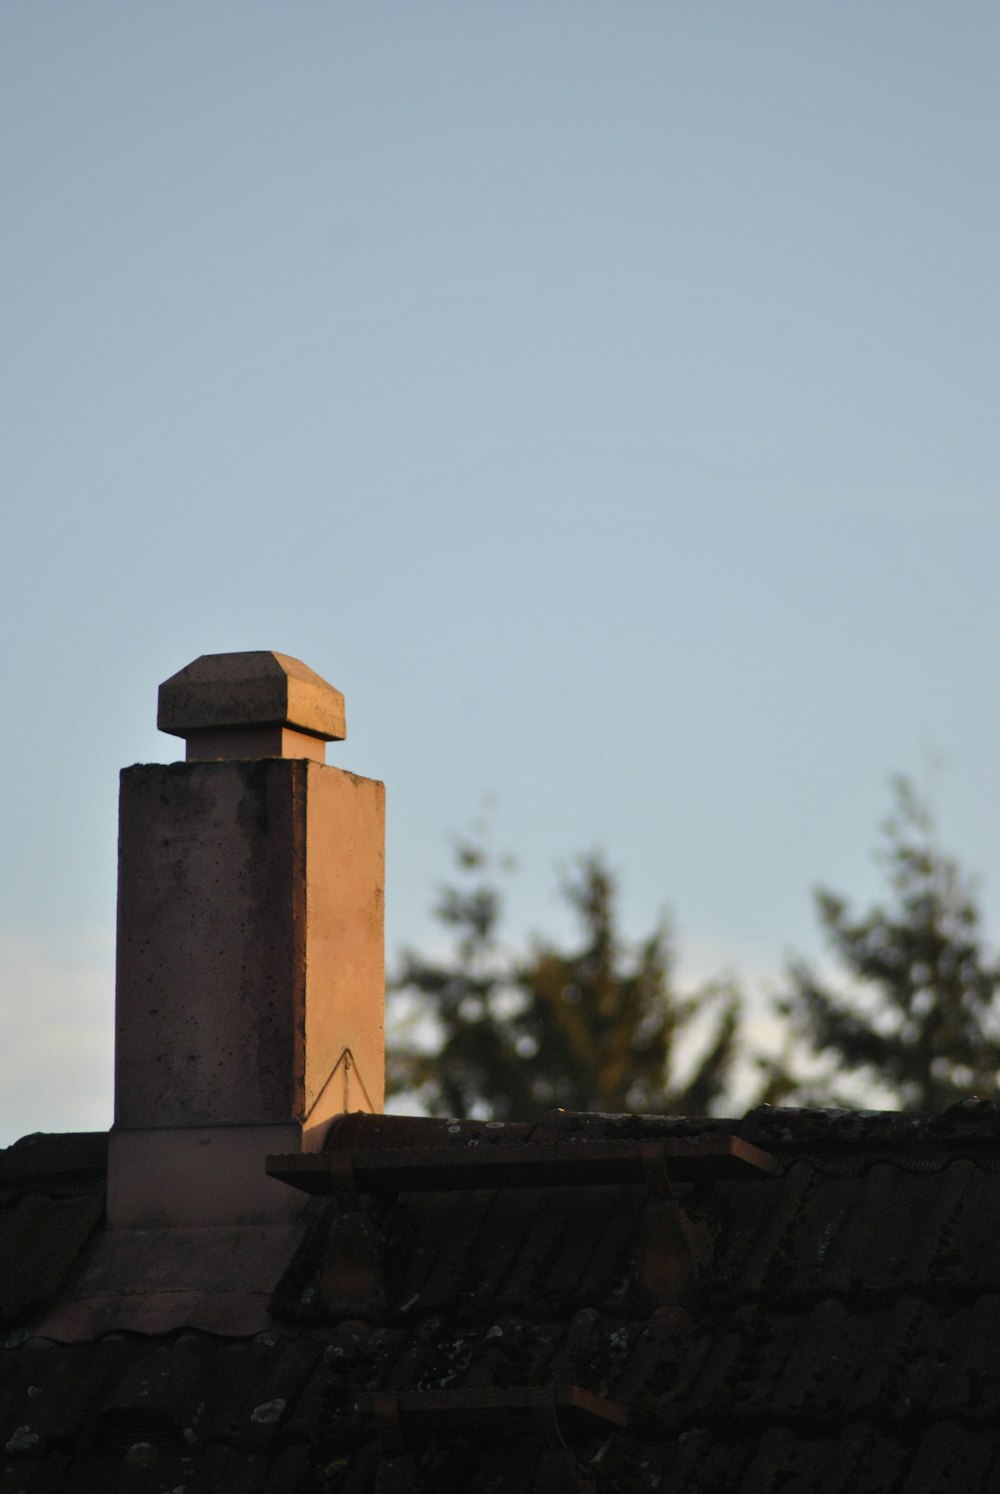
(917, 1015)
(483, 1031)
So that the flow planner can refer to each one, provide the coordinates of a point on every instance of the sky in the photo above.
(603, 397)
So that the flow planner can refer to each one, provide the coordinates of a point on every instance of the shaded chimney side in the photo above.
(211, 944)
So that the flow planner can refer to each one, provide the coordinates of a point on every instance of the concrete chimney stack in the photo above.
(250, 978)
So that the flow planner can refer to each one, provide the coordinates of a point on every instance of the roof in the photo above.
(797, 1301)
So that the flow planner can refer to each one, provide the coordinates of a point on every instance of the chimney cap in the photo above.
(259, 688)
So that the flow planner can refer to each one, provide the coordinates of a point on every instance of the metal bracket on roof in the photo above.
(469, 1165)
(385, 1413)
(545, 1420)
(343, 1186)
(654, 1167)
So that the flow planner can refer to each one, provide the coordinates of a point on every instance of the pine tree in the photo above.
(920, 1015)
(510, 1035)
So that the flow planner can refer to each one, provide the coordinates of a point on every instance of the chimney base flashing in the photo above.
(215, 1280)
(202, 1176)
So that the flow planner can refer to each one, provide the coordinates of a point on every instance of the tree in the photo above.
(504, 1035)
(919, 1016)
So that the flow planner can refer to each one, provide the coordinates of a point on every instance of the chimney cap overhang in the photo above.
(220, 692)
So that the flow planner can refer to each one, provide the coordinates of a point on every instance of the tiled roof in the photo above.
(827, 1319)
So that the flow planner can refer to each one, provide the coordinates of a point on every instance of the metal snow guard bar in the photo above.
(474, 1164)
(552, 1410)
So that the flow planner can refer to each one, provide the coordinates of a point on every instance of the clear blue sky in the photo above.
(604, 397)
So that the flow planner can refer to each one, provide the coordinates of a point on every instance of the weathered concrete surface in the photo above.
(211, 944)
(345, 941)
(246, 742)
(203, 1177)
(250, 987)
(250, 689)
(250, 942)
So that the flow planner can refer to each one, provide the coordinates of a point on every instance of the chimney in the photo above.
(250, 974)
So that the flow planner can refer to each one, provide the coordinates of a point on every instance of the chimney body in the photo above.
(250, 976)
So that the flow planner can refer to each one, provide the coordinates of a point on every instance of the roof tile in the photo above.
(842, 1329)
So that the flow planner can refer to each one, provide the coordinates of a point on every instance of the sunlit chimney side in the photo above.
(250, 968)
